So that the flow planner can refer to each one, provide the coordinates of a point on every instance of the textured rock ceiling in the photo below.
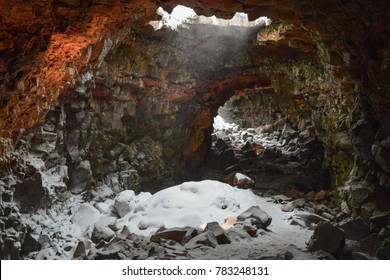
(44, 44)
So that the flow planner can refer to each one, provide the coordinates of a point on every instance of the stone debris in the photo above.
(219, 233)
(264, 220)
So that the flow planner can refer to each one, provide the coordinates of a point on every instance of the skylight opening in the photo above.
(182, 16)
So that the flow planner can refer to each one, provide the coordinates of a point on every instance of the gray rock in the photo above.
(80, 177)
(30, 194)
(81, 251)
(101, 232)
(292, 252)
(381, 220)
(281, 198)
(219, 233)
(242, 181)
(288, 131)
(298, 203)
(256, 213)
(30, 244)
(177, 234)
(206, 238)
(237, 233)
(382, 157)
(328, 238)
(355, 229)
(122, 203)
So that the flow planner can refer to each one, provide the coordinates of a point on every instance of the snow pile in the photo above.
(189, 204)
(194, 204)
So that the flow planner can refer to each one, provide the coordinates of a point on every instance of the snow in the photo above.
(189, 204)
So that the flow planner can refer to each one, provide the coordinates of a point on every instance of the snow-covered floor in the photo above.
(189, 204)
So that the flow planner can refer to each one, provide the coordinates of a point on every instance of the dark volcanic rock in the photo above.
(30, 244)
(355, 229)
(206, 238)
(180, 235)
(219, 233)
(328, 238)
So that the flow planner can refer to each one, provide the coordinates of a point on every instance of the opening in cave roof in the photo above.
(184, 16)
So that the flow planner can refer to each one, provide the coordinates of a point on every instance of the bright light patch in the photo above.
(182, 13)
(182, 16)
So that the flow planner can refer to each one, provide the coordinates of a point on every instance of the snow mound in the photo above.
(189, 204)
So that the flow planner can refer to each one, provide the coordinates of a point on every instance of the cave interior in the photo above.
(108, 100)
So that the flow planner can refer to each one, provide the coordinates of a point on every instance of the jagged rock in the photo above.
(288, 131)
(206, 238)
(219, 233)
(328, 238)
(242, 181)
(102, 232)
(122, 202)
(30, 193)
(362, 139)
(298, 203)
(264, 220)
(81, 250)
(251, 228)
(355, 229)
(180, 235)
(30, 244)
(237, 233)
(381, 220)
(382, 157)
(80, 177)
(280, 198)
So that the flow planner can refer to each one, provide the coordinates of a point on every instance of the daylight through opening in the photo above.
(184, 16)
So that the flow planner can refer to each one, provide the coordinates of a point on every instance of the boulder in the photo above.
(122, 203)
(328, 238)
(101, 232)
(30, 244)
(382, 157)
(256, 213)
(206, 238)
(242, 181)
(180, 235)
(298, 203)
(80, 177)
(219, 233)
(355, 229)
(381, 220)
(81, 250)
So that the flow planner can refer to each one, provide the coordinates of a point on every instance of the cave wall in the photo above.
(91, 93)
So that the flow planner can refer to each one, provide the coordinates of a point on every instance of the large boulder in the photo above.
(179, 235)
(328, 238)
(355, 229)
(242, 181)
(219, 233)
(254, 212)
(122, 203)
(206, 238)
